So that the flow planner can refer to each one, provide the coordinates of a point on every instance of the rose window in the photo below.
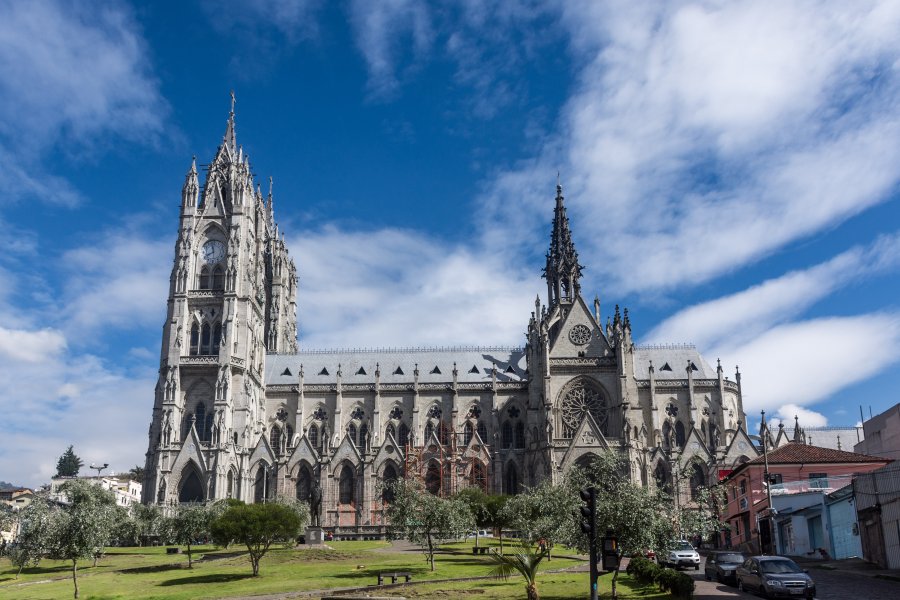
(579, 335)
(579, 401)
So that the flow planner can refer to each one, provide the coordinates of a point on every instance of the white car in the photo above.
(480, 533)
(684, 555)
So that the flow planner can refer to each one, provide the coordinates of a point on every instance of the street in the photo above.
(830, 585)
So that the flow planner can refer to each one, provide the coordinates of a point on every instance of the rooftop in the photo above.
(796, 453)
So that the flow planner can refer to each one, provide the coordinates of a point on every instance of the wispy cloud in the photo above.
(742, 316)
(74, 75)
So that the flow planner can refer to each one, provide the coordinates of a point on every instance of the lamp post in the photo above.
(99, 468)
(773, 531)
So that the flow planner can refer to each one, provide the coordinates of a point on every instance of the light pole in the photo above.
(99, 468)
(773, 531)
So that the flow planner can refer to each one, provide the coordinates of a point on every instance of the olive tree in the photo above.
(189, 524)
(36, 534)
(257, 526)
(426, 519)
(84, 525)
(545, 512)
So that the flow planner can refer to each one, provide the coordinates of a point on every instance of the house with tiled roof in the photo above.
(761, 514)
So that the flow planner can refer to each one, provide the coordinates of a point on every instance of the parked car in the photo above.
(775, 576)
(684, 555)
(480, 533)
(721, 565)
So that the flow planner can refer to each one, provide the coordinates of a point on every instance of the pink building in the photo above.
(794, 468)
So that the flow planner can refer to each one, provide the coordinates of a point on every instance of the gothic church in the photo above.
(240, 412)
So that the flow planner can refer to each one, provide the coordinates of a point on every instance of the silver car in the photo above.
(775, 577)
(683, 555)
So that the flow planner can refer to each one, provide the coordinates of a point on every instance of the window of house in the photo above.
(818, 480)
(743, 487)
(775, 478)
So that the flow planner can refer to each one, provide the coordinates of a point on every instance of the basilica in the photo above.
(241, 411)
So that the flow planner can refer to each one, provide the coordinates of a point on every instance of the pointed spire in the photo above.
(229, 139)
(797, 433)
(191, 185)
(562, 270)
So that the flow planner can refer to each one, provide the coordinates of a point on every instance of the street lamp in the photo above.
(99, 468)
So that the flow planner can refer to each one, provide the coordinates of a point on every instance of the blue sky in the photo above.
(731, 172)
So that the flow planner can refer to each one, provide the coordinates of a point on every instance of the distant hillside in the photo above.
(8, 486)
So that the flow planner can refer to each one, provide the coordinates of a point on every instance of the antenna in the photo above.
(99, 468)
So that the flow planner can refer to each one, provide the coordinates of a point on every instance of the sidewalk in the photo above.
(855, 566)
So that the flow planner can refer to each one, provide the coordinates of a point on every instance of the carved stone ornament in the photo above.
(434, 412)
(579, 401)
(319, 414)
(396, 413)
(672, 410)
(358, 413)
(474, 412)
(513, 412)
(282, 414)
(580, 335)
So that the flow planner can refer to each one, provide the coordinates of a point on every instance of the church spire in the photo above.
(562, 271)
(191, 186)
(229, 139)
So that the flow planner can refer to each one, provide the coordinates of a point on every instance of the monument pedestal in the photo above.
(315, 536)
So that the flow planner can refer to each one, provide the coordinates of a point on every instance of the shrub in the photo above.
(679, 584)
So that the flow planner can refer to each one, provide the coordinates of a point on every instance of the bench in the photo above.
(394, 577)
(173, 550)
(480, 549)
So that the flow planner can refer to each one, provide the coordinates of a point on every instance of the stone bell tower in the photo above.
(232, 298)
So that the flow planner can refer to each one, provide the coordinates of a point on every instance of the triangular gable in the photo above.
(694, 448)
(190, 451)
(346, 451)
(741, 445)
(782, 438)
(579, 314)
(303, 451)
(262, 452)
(587, 438)
(383, 454)
(476, 449)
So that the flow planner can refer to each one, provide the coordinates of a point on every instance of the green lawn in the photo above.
(144, 573)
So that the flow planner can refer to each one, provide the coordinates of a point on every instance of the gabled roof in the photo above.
(796, 453)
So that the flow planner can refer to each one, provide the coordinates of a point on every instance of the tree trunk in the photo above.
(74, 575)
(190, 561)
(476, 538)
(531, 591)
(254, 563)
(616, 576)
(430, 553)
(20, 570)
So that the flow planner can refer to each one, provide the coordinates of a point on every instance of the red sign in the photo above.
(723, 473)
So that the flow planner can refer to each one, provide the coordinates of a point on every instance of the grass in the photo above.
(145, 573)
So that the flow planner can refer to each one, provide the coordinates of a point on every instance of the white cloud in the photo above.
(20, 345)
(393, 287)
(119, 280)
(804, 362)
(702, 137)
(380, 27)
(741, 316)
(73, 74)
(806, 417)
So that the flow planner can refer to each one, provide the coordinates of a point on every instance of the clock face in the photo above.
(213, 252)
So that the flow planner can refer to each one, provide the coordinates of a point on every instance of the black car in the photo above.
(721, 565)
(775, 577)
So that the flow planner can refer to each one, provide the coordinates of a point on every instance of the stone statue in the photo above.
(315, 503)
(549, 431)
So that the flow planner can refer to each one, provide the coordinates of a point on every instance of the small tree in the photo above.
(424, 518)
(149, 522)
(136, 473)
(85, 525)
(189, 524)
(701, 517)
(478, 503)
(36, 534)
(257, 526)
(68, 464)
(545, 512)
(525, 563)
(499, 518)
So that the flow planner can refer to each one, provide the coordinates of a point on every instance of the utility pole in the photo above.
(99, 468)
(589, 528)
(773, 532)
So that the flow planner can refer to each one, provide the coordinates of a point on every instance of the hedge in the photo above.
(678, 584)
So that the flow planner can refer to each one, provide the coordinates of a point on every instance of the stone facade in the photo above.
(240, 412)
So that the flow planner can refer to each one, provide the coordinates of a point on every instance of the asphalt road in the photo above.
(830, 585)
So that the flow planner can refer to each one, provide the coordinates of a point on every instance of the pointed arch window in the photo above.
(313, 436)
(351, 431)
(229, 485)
(520, 435)
(468, 432)
(263, 483)
(433, 478)
(217, 339)
(218, 278)
(205, 339)
(662, 478)
(506, 435)
(191, 487)
(389, 432)
(363, 434)
(345, 485)
(429, 430)
(404, 435)
(666, 434)
(679, 434)
(511, 480)
(479, 477)
(389, 478)
(204, 278)
(275, 439)
(195, 339)
(443, 433)
(482, 431)
(579, 399)
(290, 434)
(204, 423)
(304, 484)
(698, 480)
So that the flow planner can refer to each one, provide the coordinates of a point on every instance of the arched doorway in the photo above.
(191, 488)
